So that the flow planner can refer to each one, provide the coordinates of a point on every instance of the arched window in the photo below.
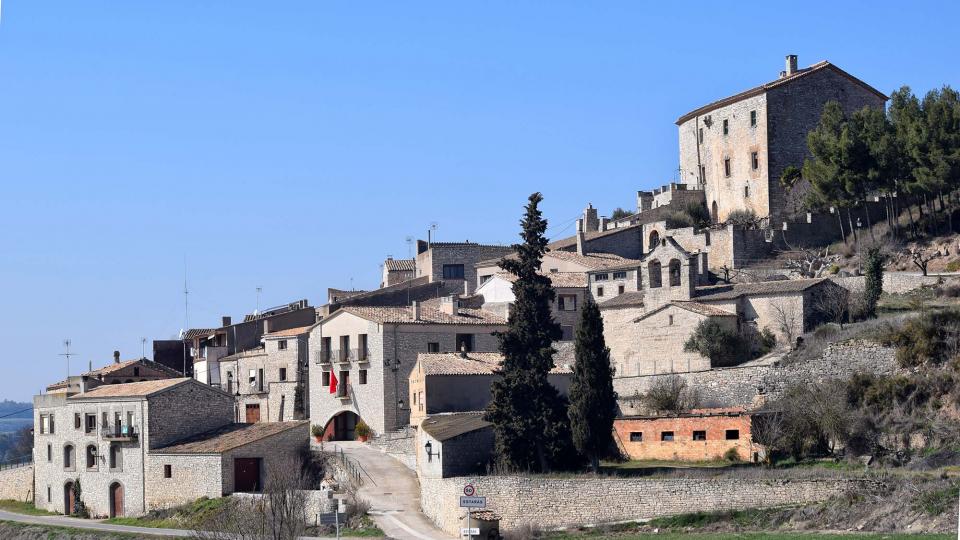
(654, 270)
(654, 240)
(714, 213)
(68, 457)
(91, 457)
(674, 273)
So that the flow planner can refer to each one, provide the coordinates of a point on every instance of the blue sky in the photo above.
(294, 145)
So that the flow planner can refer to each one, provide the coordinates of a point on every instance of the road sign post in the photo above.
(469, 501)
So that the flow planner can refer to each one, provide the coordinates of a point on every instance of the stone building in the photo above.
(453, 444)
(270, 382)
(699, 435)
(111, 439)
(736, 148)
(460, 382)
(454, 261)
(363, 355)
(118, 372)
(397, 271)
(570, 289)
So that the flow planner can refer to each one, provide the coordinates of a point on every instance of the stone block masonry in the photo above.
(17, 484)
(547, 503)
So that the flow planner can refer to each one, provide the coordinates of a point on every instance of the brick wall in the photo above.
(17, 484)
(554, 502)
(642, 438)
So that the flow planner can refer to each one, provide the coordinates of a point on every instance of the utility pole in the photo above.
(259, 290)
(67, 354)
(186, 293)
(143, 347)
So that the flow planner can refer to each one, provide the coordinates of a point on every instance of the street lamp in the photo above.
(429, 448)
(859, 253)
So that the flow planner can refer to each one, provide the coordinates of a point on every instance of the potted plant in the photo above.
(362, 430)
(317, 432)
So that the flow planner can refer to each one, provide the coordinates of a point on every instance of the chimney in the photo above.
(463, 350)
(225, 320)
(266, 326)
(581, 243)
(116, 357)
(791, 65)
(415, 310)
(450, 304)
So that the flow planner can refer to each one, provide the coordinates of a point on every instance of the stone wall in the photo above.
(899, 282)
(398, 445)
(558, 502)
(17, 483)
(191, 476)
(749, 385)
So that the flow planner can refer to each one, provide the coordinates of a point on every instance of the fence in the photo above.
(16, 463)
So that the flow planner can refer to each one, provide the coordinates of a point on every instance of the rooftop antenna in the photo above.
(409, 241)
(143, 347)
(259, 290)
(186, 293)
(351, 283)
(66, 353)
(433, 228)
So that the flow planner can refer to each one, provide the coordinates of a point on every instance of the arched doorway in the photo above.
(69, 502)
(714, 213)
(654, 241)
(342, 427)
(116, 500)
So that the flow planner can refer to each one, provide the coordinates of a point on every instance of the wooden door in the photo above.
(116, 500)
(253, 413)
(69, 503)
(246, 474)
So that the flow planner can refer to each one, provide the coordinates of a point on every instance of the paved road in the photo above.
(393, 492)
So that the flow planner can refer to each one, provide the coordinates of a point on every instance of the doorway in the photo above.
(253, 413)
(69, 502)
(344, 426)
(116, 500)
(246, 475)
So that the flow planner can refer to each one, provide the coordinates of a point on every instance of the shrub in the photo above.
(932, 337)
(953, 265)
(742, 218)
(722, 346)
(698, 213)
(873, 285)
(732, 455)
(678, 220)
(620, 213)
(316, 430)
(670, 394)
(950, 291)
(362, 429)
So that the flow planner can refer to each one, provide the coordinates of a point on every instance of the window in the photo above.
(754, 160)
(76, 421)
(636, 436)
(567, 302)
(103, 419)
(484, 279)
(746, 191)
(325, 346)
(674, 269)
(726, 167)
(91, 457)
(670, 320)
(49, 452)
(619, 275)
(90, 423)
(465, 342)
(260, 379)
(283, 374)
(753, 118)
(726, 126)
(666, 435)
(362, 352)
(599, 292)
(168, 471)
(68, 457)
(453, 271)
(700, 135)
(433, 347)
(48, 494)
(621, 289)
(136, 372)
(363, 376)
(601, 277)
(325, 378)
(566, 333)
(703, 173)
(699, 435)
(733, 434)
(282, 345)
(46, 424)
(116, 458)
(656, 274)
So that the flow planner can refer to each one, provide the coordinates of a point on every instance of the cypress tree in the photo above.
(593, 402)
(524, 408)
(873, 281)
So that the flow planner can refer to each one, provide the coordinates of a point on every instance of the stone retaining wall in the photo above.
(560, 502)
(399, 445)
(748, 385)
(899, 282)
(17, 483)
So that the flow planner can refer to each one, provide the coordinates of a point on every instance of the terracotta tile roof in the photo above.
(737, 290)
(343, 293)
(199, 332)
(359, 295)
(291, 332)
(134, 389)
(400, 265)
(627, 299)
(259, 351)
(485, 515)
(694, 307)
(773, 84)
(443, 427)
(592, 261)
(453, 363)
(429, 314)
(571, 241)
(557, 279)
(228, 437)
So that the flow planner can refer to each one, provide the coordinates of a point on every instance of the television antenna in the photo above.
(259, 290)
(433, 228)
(186, 293)
(67, 354)
(409, 241)
(143, 348)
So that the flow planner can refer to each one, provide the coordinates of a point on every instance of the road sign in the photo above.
(473, 531)
(331, 518)
(469, 490)
(473, 502)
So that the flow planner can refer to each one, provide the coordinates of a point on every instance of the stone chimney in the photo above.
(225, 320)
(790, 64)
(415, 310)
(116, 357)
(590, 221)
(450, 305)
(581, 243)
(603, 223)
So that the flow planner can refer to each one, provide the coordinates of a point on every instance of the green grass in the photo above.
(23, 508)
(742, 518)
(55, 532)
(934, 503)
(658, 464)
(367, 529)
(181, 517)
(758, 536)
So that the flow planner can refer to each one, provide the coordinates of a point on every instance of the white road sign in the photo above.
(473, 502)
(473, 531)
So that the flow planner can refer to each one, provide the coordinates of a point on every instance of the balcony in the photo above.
(119, 433)
(345, 356)
(363, 355)
(344, 392)
(323, 356)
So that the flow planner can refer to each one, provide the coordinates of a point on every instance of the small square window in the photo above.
(168, 471)
(433, 347)
(599, 292)
(636, 436)
(136, 372)
(726, 126)
(283, 374)
(282, 345)
(619, 275)
(726, 167)
(621, 289)
(566, 333)
(325, 378)
(363, 376)
(601, 277)
(453, 271)
(666, 435)
(699, 435)
(733, 434)
(753, 118)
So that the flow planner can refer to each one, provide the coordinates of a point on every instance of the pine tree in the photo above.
(524, 407)
(593, 402)
(873, 277)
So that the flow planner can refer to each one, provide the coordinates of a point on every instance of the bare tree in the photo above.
(670, 394)
(832, 303)
(786, 320)
(921, 257)
(810, 263)
(767, 429)
(279, 513)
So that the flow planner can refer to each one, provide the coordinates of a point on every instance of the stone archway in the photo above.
(341, 427)
(69, 502)
(116, 500)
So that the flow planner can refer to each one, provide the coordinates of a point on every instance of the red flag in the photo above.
(333, 383)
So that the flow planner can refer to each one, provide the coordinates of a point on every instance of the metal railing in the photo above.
(119, 431)
(343, 390)
(322, 356)
(16, 463)
(349, 466)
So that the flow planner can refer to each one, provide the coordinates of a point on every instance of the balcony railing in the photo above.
(119, 432)
(344, 391)
(322, 356)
